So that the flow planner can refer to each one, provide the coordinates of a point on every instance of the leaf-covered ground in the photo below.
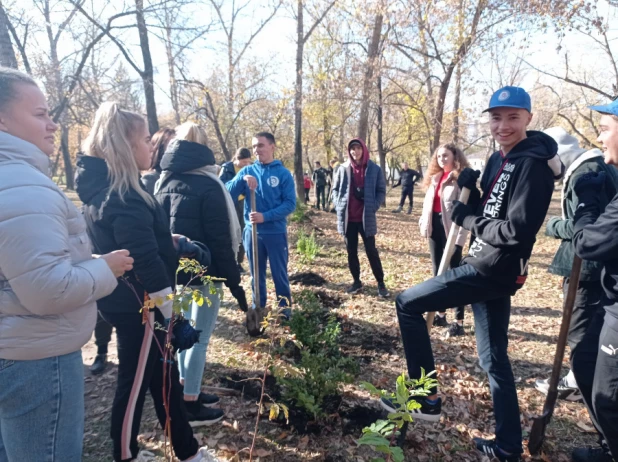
(371, 335)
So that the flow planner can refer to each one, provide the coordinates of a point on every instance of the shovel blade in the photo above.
(537, 433)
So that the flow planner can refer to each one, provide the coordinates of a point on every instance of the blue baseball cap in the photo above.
(611, 108)
(510, 97)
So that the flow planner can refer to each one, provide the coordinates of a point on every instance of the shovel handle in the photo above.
(256, 266)
(537, 433)
(449, 249)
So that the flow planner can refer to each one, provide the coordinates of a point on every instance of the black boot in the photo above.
(99, 365)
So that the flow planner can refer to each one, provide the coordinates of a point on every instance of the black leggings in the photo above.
(351, 242)
(437, 243)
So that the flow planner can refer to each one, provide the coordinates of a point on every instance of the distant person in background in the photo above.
(440, 182)
(319, 178)
(333, 165)
(407, 179)
(49, 285)
(242, 158)
(307, 184)
(160, 140)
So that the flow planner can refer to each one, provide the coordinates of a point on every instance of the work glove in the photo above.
(592, 183)
(468, 178)
(195, 250)
(460, 212)
(239, 294)
(184, 335)
(456, 258)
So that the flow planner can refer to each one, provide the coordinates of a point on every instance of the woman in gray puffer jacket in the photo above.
(49, 284)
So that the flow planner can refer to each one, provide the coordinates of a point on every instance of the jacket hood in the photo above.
(183, 156)
(568, 146)
(274, 163)
(91, 178)
(13, 148)
(539, 146)
(365, 150)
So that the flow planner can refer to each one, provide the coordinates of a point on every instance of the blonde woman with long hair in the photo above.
(440, 182)
(200, 208)
(121, 214)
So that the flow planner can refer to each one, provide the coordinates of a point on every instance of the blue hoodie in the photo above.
(275, 196)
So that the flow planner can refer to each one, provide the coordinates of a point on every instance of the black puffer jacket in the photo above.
(197, 206)
(131, 224)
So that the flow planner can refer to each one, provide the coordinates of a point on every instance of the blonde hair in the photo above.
(110, 139)
(459, 163)
(190, 131)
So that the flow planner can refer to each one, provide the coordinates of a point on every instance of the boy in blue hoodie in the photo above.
(275, 199)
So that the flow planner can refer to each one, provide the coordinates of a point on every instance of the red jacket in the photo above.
(307, 183)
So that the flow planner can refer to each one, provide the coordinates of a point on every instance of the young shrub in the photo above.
(307, 246)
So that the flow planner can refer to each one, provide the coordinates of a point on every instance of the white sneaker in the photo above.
(565, 391)
(204, 455)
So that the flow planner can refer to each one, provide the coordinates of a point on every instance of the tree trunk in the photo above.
(172, 73)
(148, 73)
(298, 104)
(381, 150)
(7, 54)
(456, 104)
(215, 123)
(374, 46)
(66, 156)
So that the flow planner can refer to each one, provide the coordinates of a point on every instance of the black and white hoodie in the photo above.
(517, 190)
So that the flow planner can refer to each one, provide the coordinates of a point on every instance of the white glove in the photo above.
(163, 302)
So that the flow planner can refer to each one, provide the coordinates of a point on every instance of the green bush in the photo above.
(307, 246)
(322, 367)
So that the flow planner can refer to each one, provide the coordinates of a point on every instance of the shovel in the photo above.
(254, 316)
(449, 249)
(537, 434)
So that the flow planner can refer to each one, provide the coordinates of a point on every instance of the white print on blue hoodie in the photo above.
(275, 196)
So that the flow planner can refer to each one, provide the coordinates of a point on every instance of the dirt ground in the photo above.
(371, 336)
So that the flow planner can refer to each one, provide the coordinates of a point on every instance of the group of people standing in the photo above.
(60, 267)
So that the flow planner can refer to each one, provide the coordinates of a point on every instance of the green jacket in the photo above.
(562, 227)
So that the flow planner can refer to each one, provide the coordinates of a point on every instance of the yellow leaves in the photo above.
(275, 410)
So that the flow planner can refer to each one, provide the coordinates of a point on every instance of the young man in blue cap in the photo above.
(595, 237)
(517, 185)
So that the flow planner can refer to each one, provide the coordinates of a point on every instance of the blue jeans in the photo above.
(191, 362)
(274, 248)
(42, 409)
(491, 304)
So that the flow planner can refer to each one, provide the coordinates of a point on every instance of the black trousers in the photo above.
(102, 334)
(140, 368)
(587, 302)
(320, 193)
(594, 362)
(491, 304)
(307, 194)
(351, 244)
(437, 243)
(407, 191)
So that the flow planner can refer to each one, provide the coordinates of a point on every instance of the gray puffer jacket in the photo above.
(49, 281)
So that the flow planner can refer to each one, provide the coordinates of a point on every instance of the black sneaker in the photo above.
(200, 416)
(429, 412)
(99, 365)
(355, 288)
(565, 391)
(208, 400)
(383, 291)
(440, 321)
(409, 212)
(599, 454)
(455, 330)
(491, 449)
